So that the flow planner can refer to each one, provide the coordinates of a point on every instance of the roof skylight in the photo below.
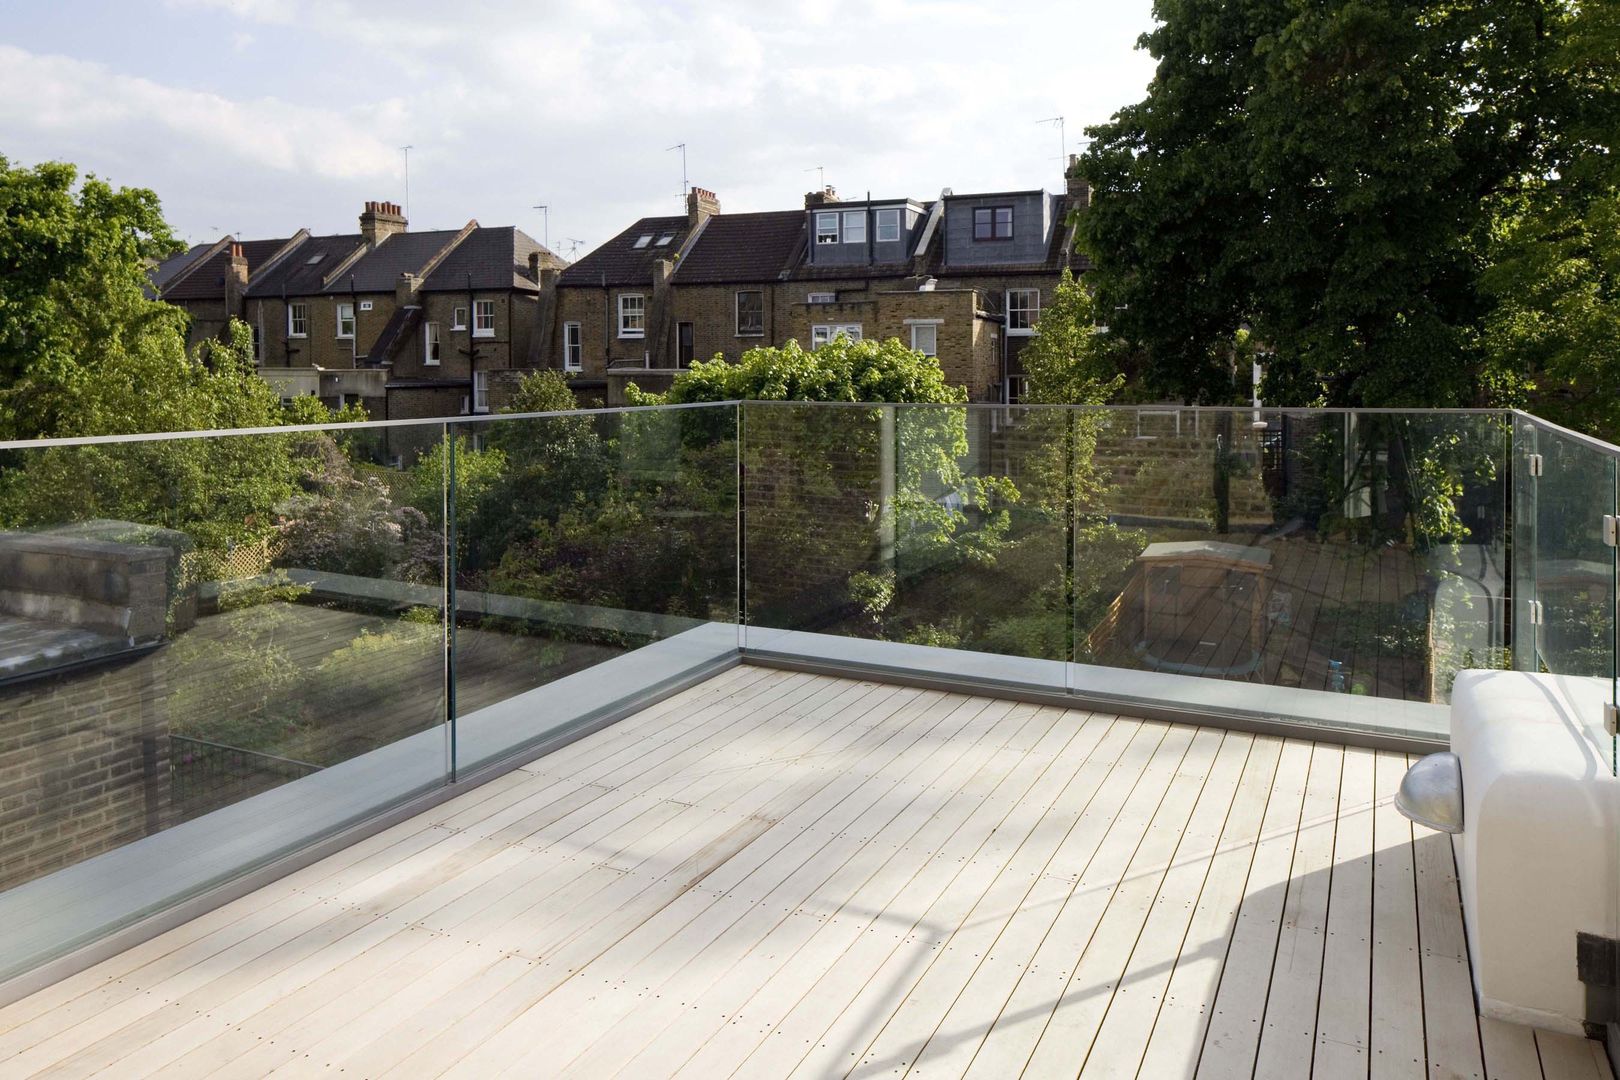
(643, 240)
(663, 241)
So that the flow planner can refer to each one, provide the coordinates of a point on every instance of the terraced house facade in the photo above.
(408, 324)
(962, 277)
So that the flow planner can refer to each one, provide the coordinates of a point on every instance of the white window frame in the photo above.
(824, 234)
(821, 298)
(824, 333)
(483, 318)
(854, 226)
(431, 345)
(458, 318)
(573, 347)
(1032, 312)
(931, 327)
(341, 308)
(638, 314)
(480, 394)
(298, 316)
(887, 226)
(737, 312)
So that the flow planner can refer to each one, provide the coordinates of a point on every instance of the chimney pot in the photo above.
(380, 220)
(701, 204)
(1075, 185)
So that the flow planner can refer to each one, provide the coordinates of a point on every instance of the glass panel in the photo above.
(817, 503)
(1574, 566)
(215, 651)
(922, 538)
(1292, 555)
(595, 562)
(1526, 450)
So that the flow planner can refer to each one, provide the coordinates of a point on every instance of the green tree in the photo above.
(1328, 175)
(1070, 361)
(542, 391)
(74, 303)
(1553, 335)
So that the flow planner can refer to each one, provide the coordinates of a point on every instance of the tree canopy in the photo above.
(1341, 178)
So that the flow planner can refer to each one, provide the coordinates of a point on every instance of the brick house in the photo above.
(962, 277)
(409, 324)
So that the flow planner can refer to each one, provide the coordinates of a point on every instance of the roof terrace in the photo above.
(770, 739)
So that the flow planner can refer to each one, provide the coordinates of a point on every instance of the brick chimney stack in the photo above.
(406, 289)
(1079, 191)
(236, 280)
(381, 220)
(701, 205)
(828, 194)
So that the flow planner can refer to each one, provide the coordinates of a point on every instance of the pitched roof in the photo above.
(300, 273)
(165, 271)
(620, 262)
(744, 247)
(207, 280)
(378, 270)
(497, 258)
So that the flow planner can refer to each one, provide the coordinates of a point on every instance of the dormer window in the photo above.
(643, 240)
(992, 223)
(888, 226)
(827, 228)
(663, 241)
(854, 226)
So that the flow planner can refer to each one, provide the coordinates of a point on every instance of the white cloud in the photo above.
(572, 103)
(79, 101)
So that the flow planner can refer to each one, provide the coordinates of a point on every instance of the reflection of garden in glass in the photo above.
(1356, 553)
(1353, 553)
(283, 594)
(588, 535)
(275, 653)
(1573, 568)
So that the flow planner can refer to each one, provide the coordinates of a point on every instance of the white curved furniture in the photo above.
(1536, 858)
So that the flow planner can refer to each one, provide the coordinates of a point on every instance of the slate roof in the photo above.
(378, 270)
(161, 274)
(620, 262)
(744, 247)
(497, 258)
(297, 276)
(1057, 257)
(207, 281)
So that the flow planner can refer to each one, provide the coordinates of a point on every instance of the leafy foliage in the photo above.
(841, 370)
(1336, 177)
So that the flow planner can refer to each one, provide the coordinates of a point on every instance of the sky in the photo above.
(258, 117)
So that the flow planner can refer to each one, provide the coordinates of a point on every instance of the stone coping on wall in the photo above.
(1193, 695)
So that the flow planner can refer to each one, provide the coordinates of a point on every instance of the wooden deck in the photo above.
(778, 874)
